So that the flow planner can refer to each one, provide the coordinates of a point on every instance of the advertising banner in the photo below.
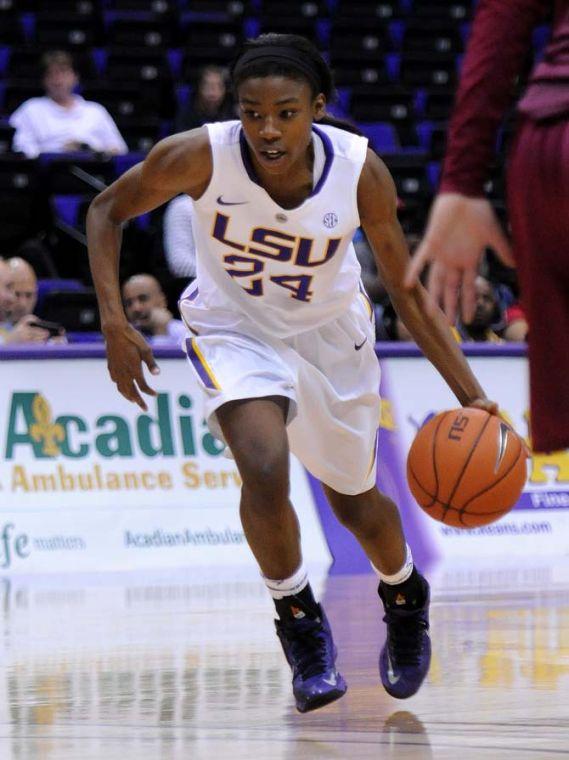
(413, 392)
(89, 482)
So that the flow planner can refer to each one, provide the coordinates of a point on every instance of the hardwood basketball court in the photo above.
(167, 666)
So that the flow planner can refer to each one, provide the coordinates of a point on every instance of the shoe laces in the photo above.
(308, 644)
(405, 636)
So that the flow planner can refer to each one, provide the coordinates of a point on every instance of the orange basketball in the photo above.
(466, 467)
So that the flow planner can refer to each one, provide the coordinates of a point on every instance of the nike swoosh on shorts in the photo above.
(230, 203)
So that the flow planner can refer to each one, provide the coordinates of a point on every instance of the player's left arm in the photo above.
(377, 204)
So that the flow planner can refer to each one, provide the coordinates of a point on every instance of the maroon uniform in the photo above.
(538, 181)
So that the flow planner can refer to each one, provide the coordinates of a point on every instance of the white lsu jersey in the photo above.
(287, 270)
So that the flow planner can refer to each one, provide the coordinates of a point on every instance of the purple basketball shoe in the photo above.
(406, 655)
(311, 653)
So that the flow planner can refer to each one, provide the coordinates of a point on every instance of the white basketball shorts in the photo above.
(329, 374)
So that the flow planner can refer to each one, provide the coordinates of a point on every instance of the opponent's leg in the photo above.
(256, 433)
(374, 520)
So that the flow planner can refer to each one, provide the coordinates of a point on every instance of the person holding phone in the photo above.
(18, 297)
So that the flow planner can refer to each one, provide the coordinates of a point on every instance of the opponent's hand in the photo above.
(458, 231)
(126, 351)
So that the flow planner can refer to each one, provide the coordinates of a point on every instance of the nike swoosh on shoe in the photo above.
(391, 677)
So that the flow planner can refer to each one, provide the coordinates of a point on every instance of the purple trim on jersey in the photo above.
(328, 159)
(189, 297)
(329, 153)
(244, 148)
(198, 366)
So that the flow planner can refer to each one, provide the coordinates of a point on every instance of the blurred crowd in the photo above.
(62, 122)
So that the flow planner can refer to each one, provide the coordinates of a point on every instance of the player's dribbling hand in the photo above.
(492, 408)
(485, 404)
(126, 351)
(458, 231)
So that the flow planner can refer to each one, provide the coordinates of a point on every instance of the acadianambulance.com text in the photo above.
(160, 539)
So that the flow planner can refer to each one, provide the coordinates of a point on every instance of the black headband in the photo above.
(280, 54)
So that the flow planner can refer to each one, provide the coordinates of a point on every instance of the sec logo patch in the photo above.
(330, 220)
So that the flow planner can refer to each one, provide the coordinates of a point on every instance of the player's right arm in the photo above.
(179, 164)
(377, 205)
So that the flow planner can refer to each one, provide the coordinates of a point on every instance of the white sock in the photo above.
(278, 589)
(402, 575)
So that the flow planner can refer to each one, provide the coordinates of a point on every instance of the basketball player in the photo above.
(462, 223)
(282, 336)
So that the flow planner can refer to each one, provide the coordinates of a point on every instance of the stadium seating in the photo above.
(396, 64)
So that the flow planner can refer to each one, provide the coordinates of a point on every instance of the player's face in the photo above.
(277, 114)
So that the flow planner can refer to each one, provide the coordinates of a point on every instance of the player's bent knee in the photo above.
(353, 510)
(266, 473)
(350, 515)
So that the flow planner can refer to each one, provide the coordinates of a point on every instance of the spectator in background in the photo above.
(370, 277)
(389, 325)
(145, 307)
(486, 325)
(23, 331)
(7, 298)
(517, 327)
(488, 318)
(25, 288)
(211, 101)
(62, 121)
(179, 245)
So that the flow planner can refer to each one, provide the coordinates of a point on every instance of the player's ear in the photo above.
(319, 106)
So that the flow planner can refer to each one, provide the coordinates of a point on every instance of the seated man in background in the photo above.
(62, 121)
(487, 323)
(6, 299)
(145, 307)
(488, 318)
(25, 288)
(24, 330)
